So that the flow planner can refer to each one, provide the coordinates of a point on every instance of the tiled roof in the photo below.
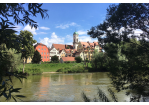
(62, 46)
(68, 59)
(95, 43)
(85, 43)
(39, 44)
(59, 46)
(67, 50)
(70, 46)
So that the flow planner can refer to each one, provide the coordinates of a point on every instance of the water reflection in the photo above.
(64, 87)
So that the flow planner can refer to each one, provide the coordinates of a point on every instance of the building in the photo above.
(43, 50)
(28, 60)
(62, 53)
(54, 51)
(75, 40)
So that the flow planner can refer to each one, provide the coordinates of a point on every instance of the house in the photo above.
(43, 50)
(83, 56)
(54, 51)
(64, 59)
(28, 60)
(62, 53)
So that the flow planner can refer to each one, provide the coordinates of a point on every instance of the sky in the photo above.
(64, 19)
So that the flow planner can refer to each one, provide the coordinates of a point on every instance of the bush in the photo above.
(78, 59)
(54, 59)
(36, 57)
(31, 71)
(67, 62)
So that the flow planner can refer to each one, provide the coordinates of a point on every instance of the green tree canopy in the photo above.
(36, 57)
(54, 58)
(22, 15)
(78, 59)
(121, 22)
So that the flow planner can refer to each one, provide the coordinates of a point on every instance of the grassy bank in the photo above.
(53, 67)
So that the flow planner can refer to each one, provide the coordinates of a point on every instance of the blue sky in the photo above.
(64, 19)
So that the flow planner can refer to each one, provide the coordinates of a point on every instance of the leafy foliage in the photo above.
(67, 47)
(78, 59)
(54, 58)
(11, 40)
(36, 57)
(131, 70)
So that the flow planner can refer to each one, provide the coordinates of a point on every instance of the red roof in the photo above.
(62, 46)
(95, 43)
(85, 43)
(68, 59)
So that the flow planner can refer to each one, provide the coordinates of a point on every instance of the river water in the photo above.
(58, 87)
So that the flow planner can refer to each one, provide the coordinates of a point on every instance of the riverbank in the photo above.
(52, 67)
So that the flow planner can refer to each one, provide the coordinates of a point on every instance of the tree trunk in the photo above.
(24, 66)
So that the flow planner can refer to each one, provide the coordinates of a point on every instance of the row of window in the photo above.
(44, 57)
(41, 49)
(44, 53)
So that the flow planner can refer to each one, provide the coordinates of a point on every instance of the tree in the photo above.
(36, 57)
(121, 22)
(78, 59)
(54, 58)
(67, 47)
(27, 42)
(14, 10)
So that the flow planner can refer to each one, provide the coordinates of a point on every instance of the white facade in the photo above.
(54, 52)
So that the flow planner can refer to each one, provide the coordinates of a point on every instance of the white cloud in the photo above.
(54, 39)
(33, 30)
(81, 32)
(69, 37)
(18, 28)
(45, 28)
(87, 38)
(64, 26)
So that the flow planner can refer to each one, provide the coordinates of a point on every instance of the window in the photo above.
(47, 56)
(45, 49)
(44, 53)
(42, 49)
(29, 58)
(41, 56)
(44, 56)
(41, 52)
(39, 49)
(47, 53)
(41, 45)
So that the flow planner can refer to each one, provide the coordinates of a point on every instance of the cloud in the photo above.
(54, 39)
(18, 28)
(69, 37)
(86, 38)
(33, 30)
(45, 28)
(64, 26)
(81, 32)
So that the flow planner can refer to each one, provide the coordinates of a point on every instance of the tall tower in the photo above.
(75, 40)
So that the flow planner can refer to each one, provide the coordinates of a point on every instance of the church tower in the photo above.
(75, 40)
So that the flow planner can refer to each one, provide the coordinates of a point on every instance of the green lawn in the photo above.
(52, 67)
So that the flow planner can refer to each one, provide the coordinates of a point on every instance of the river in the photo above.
(59, 87)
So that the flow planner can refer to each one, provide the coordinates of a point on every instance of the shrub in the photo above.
(36, 57)
(54, 59)
(67, 62)
(78, 59)
(31, 71)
